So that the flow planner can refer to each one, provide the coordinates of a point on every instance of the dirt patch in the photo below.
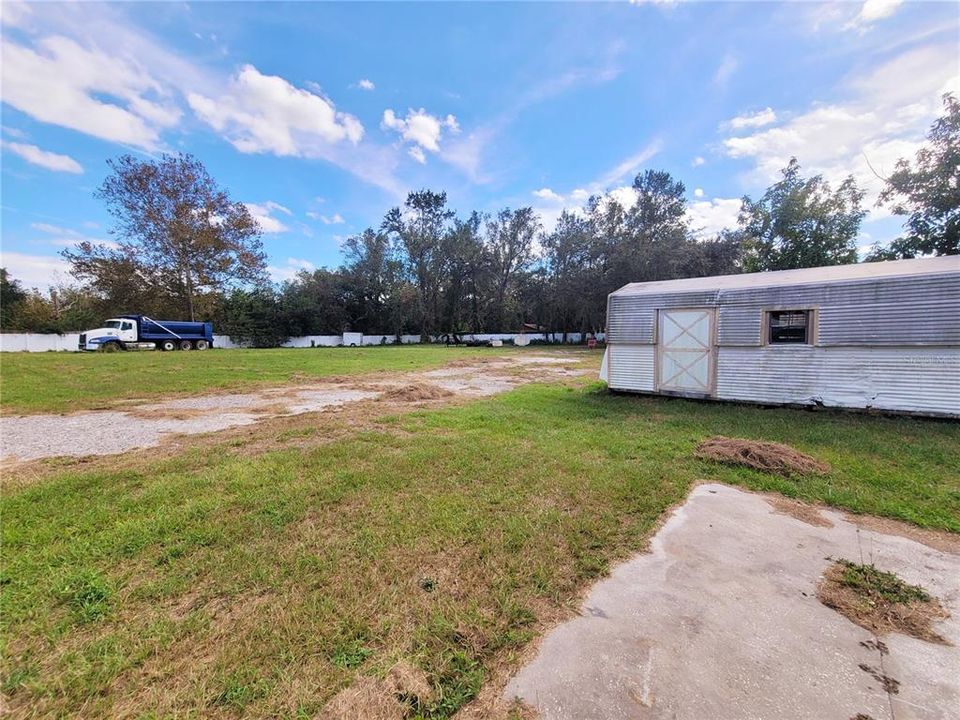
(766, 456)
(880, 601)
(937, 539)
(246, 423)
(166, 413)
(410, 682)
(809, 514)
(368, 698)
(416, 392)
(275, 408)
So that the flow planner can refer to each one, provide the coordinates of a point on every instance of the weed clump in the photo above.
(880, 601)
(86, 593)
(766, 456)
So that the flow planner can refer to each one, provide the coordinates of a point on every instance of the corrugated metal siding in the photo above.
(925, 380)
(630, 367)
(885, 312)
(631, 319)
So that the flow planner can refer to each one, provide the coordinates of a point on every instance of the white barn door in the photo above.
(685, 351)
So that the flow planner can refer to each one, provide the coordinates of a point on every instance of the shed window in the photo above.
(789, 327)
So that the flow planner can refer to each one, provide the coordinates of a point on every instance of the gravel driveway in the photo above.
(111, 432)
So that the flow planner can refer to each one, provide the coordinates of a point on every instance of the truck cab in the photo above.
(113, 335)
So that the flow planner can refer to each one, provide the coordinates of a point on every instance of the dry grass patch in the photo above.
(416, 392)
(367, 697)
(147, 413)
(880, 601)
(765, 456)
(804, 512)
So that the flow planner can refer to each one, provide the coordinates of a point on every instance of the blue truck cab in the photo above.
(138, 332)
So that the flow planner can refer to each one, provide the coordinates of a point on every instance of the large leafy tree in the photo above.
(510, 241)
(179, 234)
(467, 273)
(371, 275)
(928, 193)
(570, 252)
(12, 295)
(317, 303)
(420, 229)
(801, 222)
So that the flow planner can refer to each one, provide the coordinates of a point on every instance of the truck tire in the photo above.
(168, 345)
(109, 347)
(186, 345)
(201, 345)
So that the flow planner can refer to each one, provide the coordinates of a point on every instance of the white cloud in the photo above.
(13, 12)
(85, 89)
(35, 271)
(626, 169)
(753, 120)
(366, 85)
(335, 219)
(698, 192)
(885, 117)
(709, 217)
(873, 10)
(416, 152)
(728, 66)
(465, 153)
(45, 159)
(124, 50)
(548, 194)
(420, 128)
(266, 114)
(698, 161)
(607, 185)
(263, 214)
(65, 237)
(625, 196)
(288, 271)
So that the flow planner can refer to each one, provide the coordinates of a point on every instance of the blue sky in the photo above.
(322, 116)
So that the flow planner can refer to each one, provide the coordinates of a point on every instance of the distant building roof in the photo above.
(807, 276)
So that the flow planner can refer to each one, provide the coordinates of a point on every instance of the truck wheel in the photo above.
(110, 347)
(201, 345)
(168, 345)
(186, 345)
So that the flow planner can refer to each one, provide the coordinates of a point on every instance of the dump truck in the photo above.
(138, 332)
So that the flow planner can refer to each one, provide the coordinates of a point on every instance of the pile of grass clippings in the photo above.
(880, 601)
(417, 392)
(766, 456)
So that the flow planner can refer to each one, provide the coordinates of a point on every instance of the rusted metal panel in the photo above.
(905, 379)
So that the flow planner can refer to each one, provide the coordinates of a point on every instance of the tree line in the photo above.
(184, 249)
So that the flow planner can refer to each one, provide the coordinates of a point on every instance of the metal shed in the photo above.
(880, 336)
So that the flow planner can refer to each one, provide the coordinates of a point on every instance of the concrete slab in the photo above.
(721, 621)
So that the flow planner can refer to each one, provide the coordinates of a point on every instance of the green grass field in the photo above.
(226, 583)
(64, 382)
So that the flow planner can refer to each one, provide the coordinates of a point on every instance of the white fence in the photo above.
(306, 341)
(37, 342)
